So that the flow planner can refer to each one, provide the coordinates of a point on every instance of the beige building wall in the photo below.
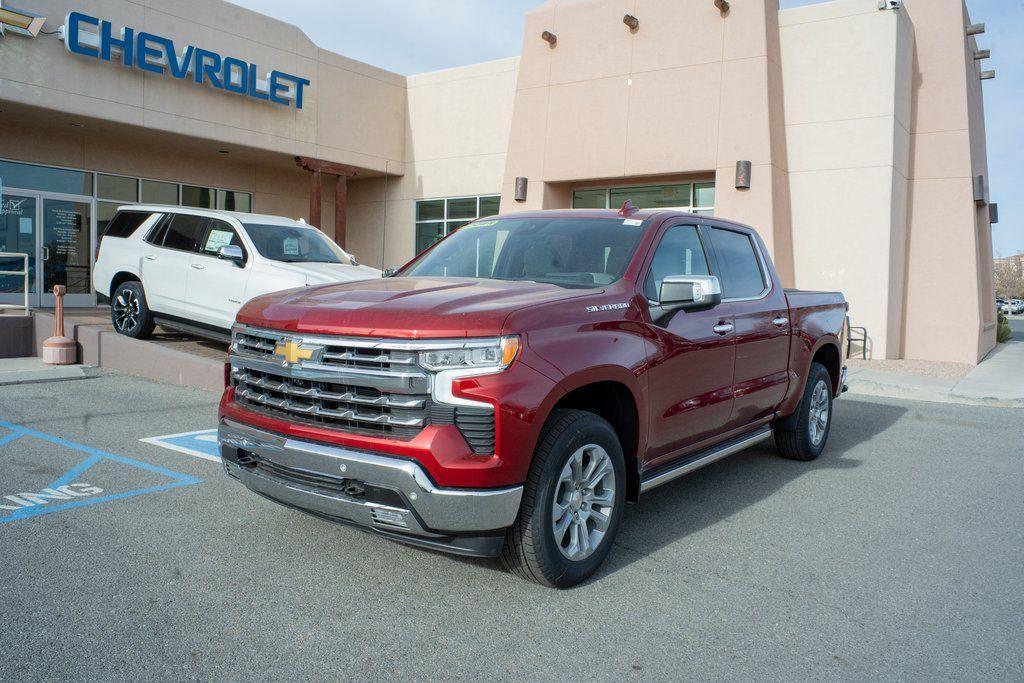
(847, 83)
(692, 91)
(455, 140)
(949, 242)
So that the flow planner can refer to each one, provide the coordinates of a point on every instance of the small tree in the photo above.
(1009, 278)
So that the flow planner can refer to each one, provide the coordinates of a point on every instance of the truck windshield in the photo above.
(570, 252)
(294, 244)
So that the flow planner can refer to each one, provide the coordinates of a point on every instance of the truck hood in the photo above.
(403, 307)
(324, 273)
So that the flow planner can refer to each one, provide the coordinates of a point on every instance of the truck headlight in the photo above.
(471, 358)
(484, 356)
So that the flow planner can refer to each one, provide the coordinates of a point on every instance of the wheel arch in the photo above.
(121, 277)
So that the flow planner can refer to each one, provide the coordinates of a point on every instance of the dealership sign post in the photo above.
(91, 37)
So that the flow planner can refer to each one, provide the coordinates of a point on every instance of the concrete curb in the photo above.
(871, 387)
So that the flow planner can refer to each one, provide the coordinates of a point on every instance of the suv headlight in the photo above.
(471, 358)
(485, 356)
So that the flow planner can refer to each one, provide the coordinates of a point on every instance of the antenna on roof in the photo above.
(628, 209)
(301, 220)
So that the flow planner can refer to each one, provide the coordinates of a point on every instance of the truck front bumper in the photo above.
(385, 494)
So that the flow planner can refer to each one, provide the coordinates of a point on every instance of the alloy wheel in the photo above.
(583, 501)
(126, 311)
(817, 420)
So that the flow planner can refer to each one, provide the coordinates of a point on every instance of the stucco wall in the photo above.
(456, 140)
(847, 69)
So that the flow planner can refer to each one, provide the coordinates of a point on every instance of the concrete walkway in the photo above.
(996, 381)
(30, 370)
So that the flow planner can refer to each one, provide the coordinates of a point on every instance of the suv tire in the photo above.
(803, 437)
(129, 312)
(573, 502)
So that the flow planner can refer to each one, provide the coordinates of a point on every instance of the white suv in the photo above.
(192, 269)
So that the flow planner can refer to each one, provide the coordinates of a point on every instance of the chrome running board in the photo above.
(694, 462)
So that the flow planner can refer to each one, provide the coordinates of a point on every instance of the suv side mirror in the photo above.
(231, 252)
(690, 291)
(389, 272)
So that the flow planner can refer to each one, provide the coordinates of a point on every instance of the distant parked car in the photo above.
(192, 269)
(1016, 306)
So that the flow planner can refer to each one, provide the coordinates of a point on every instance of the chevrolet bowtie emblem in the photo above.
(292, 351)
(19, 21)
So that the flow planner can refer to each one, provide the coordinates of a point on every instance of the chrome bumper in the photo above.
(381, 493)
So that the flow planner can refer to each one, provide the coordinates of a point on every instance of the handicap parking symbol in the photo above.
(31, 460)
(201, 444)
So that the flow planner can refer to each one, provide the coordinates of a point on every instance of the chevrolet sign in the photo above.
(91, 37)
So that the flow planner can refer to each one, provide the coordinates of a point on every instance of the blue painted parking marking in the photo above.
(67, 488)
(201, 444)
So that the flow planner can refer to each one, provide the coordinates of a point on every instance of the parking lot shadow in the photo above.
(720, 490)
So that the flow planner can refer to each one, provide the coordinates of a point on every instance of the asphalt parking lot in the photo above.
(899, 554)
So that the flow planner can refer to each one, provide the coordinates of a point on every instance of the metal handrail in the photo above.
(23, 271)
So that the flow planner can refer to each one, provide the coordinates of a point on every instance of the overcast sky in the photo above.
(413, 36)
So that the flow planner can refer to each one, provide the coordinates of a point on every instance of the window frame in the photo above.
(758, 254)
(206, 234)
(690, 208)
(709, 256)
(445, 219)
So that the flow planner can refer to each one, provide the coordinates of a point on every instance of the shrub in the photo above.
(1003, 331)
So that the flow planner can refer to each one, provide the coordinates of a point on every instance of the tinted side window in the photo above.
(184, 231)
(679, 253)
(157, 232)
(125, 223)
(741, 271)
(220, 234)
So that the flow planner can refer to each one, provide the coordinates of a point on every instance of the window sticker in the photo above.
(291, 246)
(218, 239)
(479, 224)
(632, 221)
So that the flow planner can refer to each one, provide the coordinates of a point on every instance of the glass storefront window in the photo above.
(698, 198)
(436, 218)
(117, 188)
(704, 194)
(197, 197)
(234, 201)
(45, 178)
(104, 214)
(589, 199)
(156, 192)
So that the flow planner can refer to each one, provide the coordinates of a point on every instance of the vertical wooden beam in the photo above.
(316, 182)
(340, 210)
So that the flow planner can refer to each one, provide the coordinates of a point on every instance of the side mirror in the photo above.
(690, 291)
(389, 272)
(353, 259)
(231, 252)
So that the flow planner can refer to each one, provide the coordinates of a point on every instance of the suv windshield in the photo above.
(294, 244)
(570, 252)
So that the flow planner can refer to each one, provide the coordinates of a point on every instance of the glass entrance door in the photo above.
(66, 250)
(18, 235)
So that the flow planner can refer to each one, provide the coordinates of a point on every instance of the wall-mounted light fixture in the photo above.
(993, 214)
(520, 191)
(743, 170)
(888, 4)
(982, 54)
(632, 22)
(722, 5)
(975, 29)
(988, 75)
(979, 190)
(549, 38)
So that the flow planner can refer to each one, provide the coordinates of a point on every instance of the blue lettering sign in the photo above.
(91, 37)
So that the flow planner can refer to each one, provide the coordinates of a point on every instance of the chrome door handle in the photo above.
(150, 257)
(723, 328)
(780, 322)
(198, 266)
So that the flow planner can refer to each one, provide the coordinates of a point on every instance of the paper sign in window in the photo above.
(291, 246)
(218, 239)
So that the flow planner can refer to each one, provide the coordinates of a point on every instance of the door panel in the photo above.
(18, 236)
(216, 287)
(166, 266)
(762, 357)
(690, 366)
(67, 251)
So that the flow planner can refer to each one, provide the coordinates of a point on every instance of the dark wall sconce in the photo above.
(520, 191)
(549, 38)
(722, 5)
(993, 213)
(988, 75)
(975, 29)
(982, 54)
(632, 22)
(743, 169)
(979, 190)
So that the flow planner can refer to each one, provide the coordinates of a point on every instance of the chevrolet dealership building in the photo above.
(850, 133)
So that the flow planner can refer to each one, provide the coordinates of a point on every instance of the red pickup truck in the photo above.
(509, 390)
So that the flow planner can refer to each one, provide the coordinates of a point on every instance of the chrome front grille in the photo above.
(345, 384)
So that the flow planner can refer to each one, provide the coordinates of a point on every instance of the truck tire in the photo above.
(129, 312)
(573, 502)
(803, 436)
